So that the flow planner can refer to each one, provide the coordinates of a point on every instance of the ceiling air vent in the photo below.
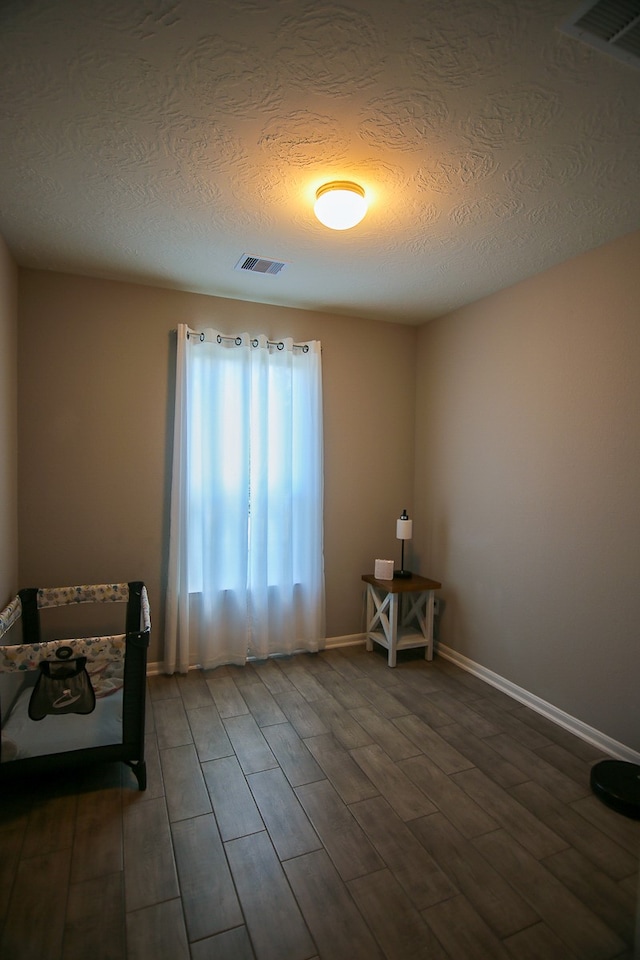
(259, 265)
(612, 26)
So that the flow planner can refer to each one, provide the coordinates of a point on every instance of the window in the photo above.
(246, 566)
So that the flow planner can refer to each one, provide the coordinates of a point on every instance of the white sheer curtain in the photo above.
(246, 569)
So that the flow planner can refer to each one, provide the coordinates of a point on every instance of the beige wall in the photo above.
(8, 426)
(527, 460)
(528, 484)
(96, 376)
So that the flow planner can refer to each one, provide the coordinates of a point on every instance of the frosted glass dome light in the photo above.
(340, 204)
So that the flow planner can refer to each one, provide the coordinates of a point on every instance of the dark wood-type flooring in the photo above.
(324, 806)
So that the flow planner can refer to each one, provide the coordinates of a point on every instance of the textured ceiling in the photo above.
(160, 141)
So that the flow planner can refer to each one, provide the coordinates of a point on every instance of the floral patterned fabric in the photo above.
(10, 615)
(27, 656)
(106, 678)
(96, 593)
(145, 611)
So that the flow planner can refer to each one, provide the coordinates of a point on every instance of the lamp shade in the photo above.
(404, 529)
(340, 204)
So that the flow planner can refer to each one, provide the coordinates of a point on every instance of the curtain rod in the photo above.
(254, 343)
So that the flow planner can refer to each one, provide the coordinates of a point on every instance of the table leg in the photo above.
(369, 641)
(392, 636)
(431, 604)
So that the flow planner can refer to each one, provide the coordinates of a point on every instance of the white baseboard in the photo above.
(331, 643)
(351, 640)
(609, 746)
(155, 669)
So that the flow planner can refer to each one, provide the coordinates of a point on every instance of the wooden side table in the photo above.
(400, 614)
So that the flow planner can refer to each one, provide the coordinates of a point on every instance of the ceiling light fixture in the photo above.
(340, 204)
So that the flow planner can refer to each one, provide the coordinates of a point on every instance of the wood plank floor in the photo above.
(324, 806)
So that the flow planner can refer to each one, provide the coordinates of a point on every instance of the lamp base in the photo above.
(402, 574)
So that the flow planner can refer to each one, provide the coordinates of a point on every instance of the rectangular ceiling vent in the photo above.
(259, 265)
(612, 26)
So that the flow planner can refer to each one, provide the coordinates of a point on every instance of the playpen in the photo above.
(64, 702)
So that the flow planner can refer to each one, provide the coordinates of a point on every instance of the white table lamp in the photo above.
(404, 531)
